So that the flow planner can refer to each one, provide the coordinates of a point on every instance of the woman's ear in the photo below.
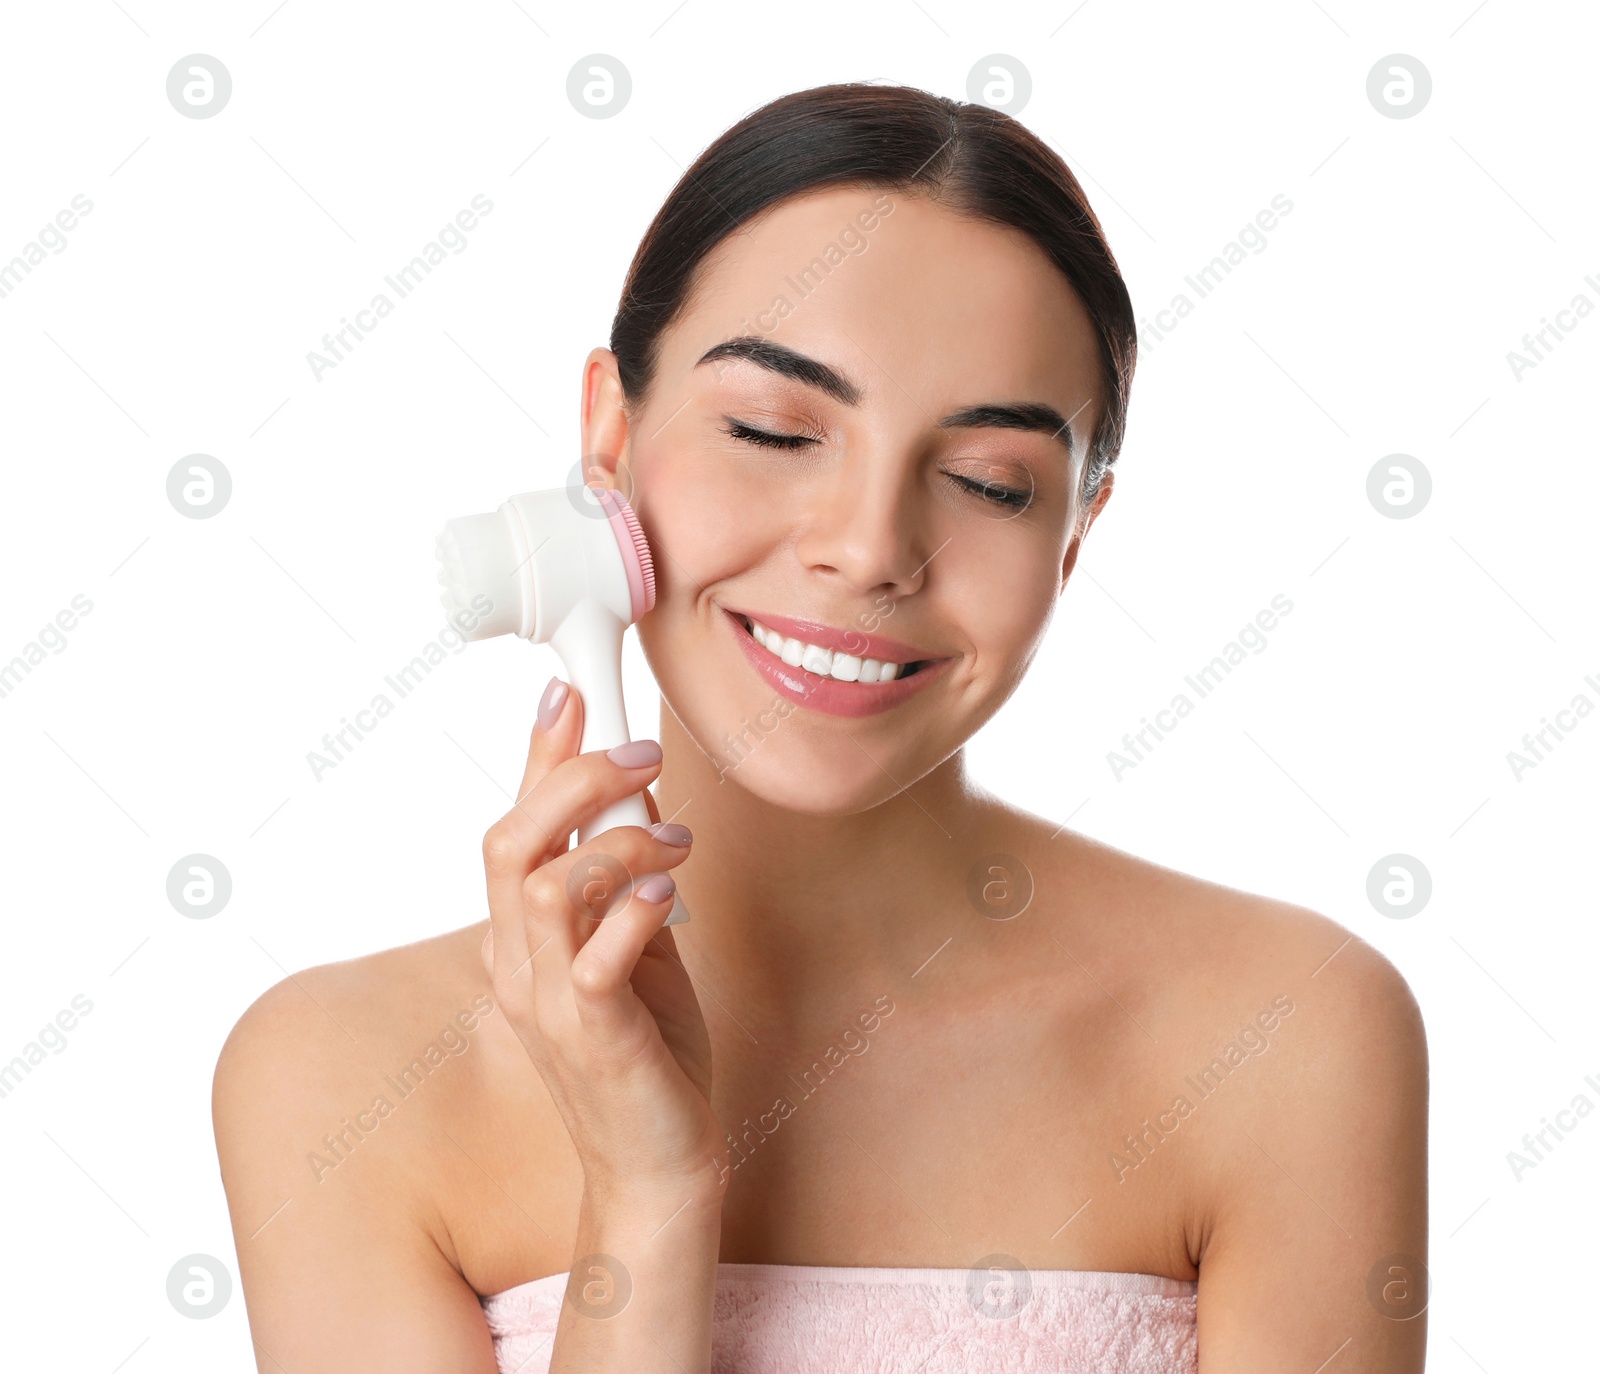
(1107, 480)
(603, 419)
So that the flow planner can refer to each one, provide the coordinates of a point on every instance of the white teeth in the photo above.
(813, 659)
(824, 662)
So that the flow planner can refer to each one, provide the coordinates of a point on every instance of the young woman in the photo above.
(927, 1082)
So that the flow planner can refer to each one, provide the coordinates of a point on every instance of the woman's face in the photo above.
(879, 336)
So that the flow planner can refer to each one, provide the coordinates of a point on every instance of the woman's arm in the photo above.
(654, 1312)
(1310, 1261)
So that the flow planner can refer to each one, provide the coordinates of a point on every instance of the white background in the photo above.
(177, 720)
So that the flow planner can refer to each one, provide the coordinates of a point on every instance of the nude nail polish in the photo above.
(550, 704)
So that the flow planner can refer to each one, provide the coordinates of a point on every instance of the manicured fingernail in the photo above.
(656, 888)
(639, 753)
(550, 704)
(669, 832)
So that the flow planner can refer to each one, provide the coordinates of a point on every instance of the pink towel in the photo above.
(798, 1318)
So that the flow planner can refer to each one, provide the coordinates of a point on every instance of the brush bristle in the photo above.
(642, 551)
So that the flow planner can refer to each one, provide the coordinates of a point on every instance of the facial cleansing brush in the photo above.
(568, 568)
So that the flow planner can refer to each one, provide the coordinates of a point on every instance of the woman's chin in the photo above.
(790, 757)
(803, 780)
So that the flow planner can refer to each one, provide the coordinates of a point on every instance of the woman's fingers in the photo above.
(557, 728)
(554, 739)
(548, 905)
(629, 1071)
(616, 1021)
(560, 789)
(517, 843)
(570, 896)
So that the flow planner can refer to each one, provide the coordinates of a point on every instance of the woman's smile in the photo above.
(854, 693)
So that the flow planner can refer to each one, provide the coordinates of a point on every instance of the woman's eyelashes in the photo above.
(767, 440)
(1010, 498)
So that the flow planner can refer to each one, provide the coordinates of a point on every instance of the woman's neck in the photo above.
(796, 910)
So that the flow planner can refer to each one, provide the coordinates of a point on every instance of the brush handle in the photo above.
(589, 643)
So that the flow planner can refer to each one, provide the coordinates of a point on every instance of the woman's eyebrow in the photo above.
(1030, 415)
(786, 362)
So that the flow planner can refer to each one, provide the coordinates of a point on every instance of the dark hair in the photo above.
(971, 158)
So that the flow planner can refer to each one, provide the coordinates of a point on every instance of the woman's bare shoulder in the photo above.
(1193, 961)
(329, 1099)
(335, 1017)
(1195, 936)
(387, 1097)
(338, 1072)
(1261, 1034)
(1289, 1021)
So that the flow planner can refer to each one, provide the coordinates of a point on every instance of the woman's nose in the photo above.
(861, 524)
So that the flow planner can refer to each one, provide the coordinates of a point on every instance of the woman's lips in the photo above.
(829, 694)
(852, 641)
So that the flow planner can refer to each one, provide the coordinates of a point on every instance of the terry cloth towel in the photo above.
(796, 1318)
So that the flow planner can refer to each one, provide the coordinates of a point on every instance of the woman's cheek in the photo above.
(679, 520)
(704, 498)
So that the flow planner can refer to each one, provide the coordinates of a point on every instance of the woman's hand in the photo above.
(627, 1063)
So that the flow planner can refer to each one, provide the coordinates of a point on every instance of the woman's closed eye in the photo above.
(1010, 498)
(766, 439)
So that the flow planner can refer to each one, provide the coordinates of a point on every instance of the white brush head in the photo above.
(568, 567)
(523, 568)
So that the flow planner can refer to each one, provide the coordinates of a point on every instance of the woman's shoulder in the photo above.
(1195, 963)
(334, 1085)
(1259, 1033)
(359, 1106)
(1199, 942)
(335, 1020)
(1265, 1016)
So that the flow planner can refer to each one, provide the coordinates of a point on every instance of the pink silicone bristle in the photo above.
(642, 566)
(640, 547)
